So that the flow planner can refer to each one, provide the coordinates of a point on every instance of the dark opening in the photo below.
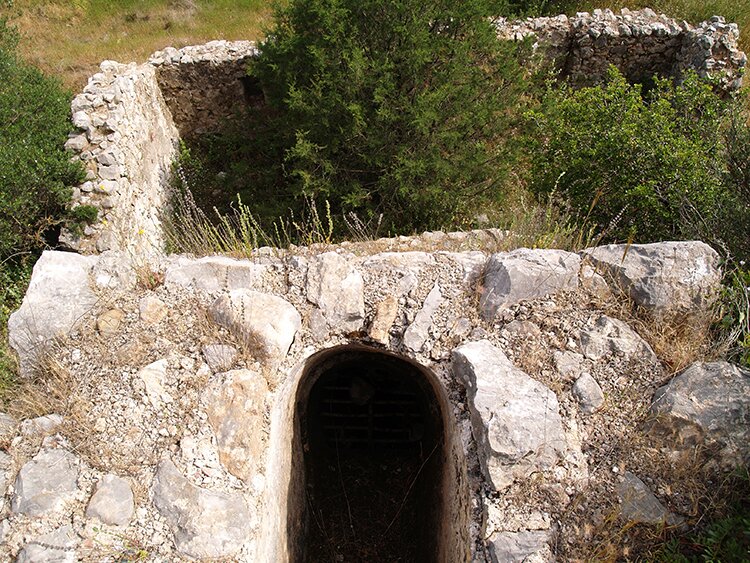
(252, 91)
(373, 438)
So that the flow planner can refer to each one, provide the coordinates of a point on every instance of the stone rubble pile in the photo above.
(177, 406)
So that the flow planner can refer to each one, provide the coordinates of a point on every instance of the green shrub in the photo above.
(35, 172)
(14, 279)
(87, 214)
(400, 108)
(736, 216)
(724, 537)
(651, 167)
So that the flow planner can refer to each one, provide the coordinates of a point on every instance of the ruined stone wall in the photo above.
(639, 43)
(130, 120)
(131, 117)
(127, 142)
(204, 85)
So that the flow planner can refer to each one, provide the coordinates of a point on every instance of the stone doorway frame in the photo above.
(286, 481)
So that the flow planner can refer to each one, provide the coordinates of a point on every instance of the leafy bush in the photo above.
(84, 214)
(401, 108)
(649, 167)
(35, 171)
(736, 224)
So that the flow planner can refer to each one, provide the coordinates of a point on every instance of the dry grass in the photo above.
(550, 224)
(678, 339)
(49, 391)
(69, 38)
(703, 497)
(191, 230)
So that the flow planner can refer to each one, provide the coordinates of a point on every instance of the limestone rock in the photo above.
(385, 315)
(76, 143)
(206, 524)
(152, 310)
(417, 332)
(318, 325)
(6, 463)
(515, 419)
(593, 282)
(154, 376)
(112, 501)
(525, 330)
(511, 277)
(639, 505)
(461, 328)
(108, 323)
(219, 357)
(41, 425)
(520, 547)
(589, 393)
(236, 409)
(265, 322)
(45, 483)
(56, 547)
(8, 426)
(663, 277)
(472, 263)
(337, 287)
(213, 273)
(57, 297)
(612, 336)
(708, 401)
(4, 530)
(568, 363)
(114, 270)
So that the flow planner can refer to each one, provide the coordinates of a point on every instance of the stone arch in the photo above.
(429, 505)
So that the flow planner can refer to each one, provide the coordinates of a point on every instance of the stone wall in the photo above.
(130, 120)
(639, 43)
(127, 141)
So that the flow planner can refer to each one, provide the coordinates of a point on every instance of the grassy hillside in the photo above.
(69, 38)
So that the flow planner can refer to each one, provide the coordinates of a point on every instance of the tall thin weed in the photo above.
(189, 229)
(732, 331)
(547, 224)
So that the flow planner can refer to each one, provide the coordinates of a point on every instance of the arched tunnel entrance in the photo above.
(380, 482)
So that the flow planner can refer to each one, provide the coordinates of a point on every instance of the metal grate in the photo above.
(357, 412)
